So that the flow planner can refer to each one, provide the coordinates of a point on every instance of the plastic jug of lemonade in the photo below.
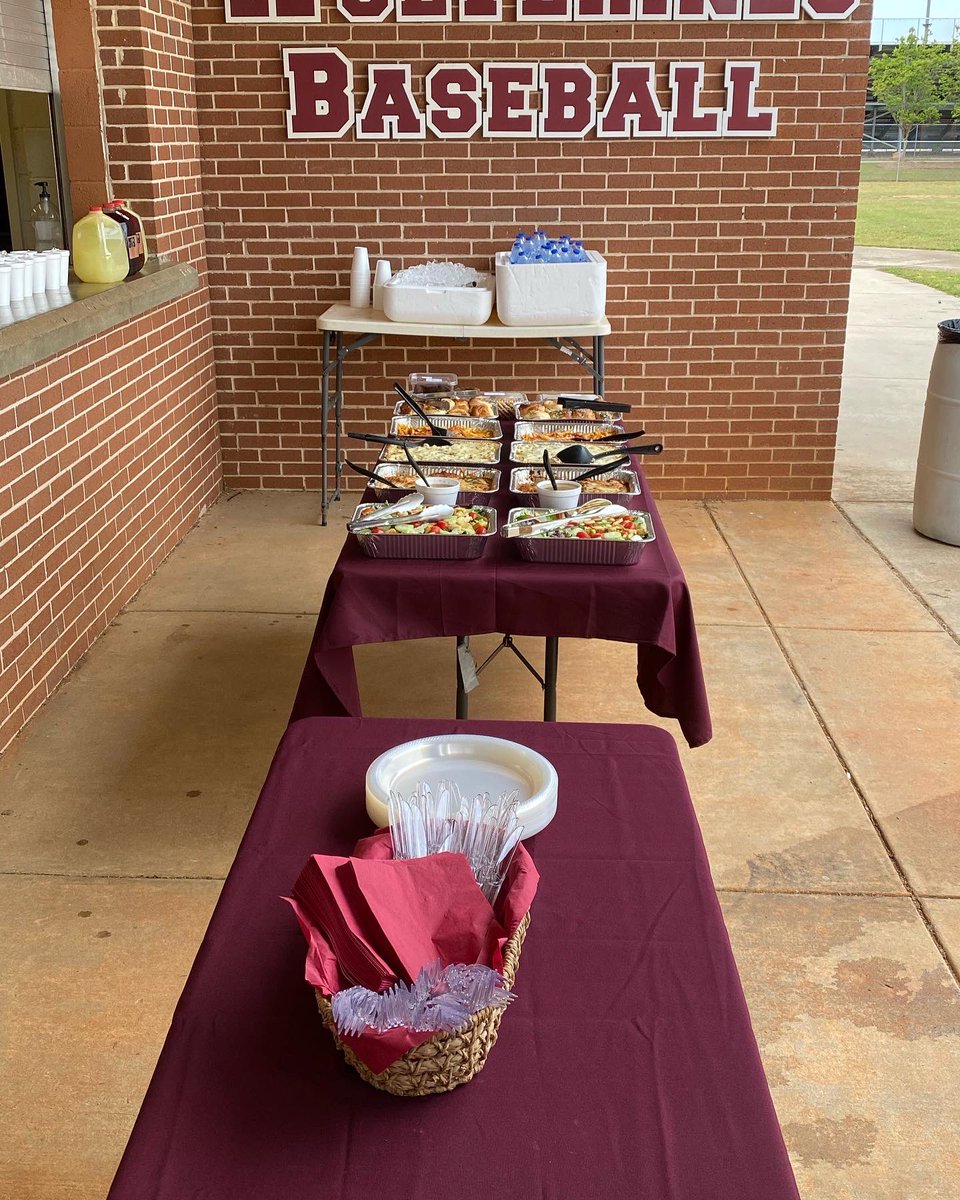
(99, 248)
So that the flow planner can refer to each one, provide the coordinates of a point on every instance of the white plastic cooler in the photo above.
(551, 293)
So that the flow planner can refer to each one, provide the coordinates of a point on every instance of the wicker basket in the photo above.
(446, 1060)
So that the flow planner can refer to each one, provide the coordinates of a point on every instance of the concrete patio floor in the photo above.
(828, 799)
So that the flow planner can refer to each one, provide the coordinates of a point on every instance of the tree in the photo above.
(914, 81)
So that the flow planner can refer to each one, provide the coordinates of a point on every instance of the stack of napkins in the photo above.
(372, 920)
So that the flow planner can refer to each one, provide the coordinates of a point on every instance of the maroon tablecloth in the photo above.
(626, 1068)
(371, 600)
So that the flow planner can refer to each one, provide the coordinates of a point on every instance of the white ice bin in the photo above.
(430, 304)
(551, 293)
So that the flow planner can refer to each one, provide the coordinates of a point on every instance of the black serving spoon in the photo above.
(437, 432)
(549, 470)
(580, 456)
(371, 475)
(600, 405)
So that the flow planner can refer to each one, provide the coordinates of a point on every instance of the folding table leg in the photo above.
(324, 417)
(463, 697)
(551, 655)
(598, 363)
(338, 416)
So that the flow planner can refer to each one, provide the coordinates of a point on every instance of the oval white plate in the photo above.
(477, 764)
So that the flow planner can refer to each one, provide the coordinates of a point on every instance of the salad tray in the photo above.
(425, 545)
(582, 551)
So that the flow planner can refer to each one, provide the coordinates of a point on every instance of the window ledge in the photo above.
(93, 309)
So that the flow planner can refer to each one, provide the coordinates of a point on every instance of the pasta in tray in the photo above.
(470, 481)
(467, 451)
(598, 486)
(532, 452)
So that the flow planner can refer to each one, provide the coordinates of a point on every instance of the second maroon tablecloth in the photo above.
(648, 605)
(625, 1070)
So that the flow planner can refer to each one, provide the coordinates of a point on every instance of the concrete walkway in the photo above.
(891, 336)
(894, 256)
(828, 798)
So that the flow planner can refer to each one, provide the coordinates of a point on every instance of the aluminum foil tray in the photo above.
(534, 452)
(423, 546)
(521, 475)
(613, 417)
(402, 409)
(563, 431)
(590, 399)
(580, 551)
(463, 452)
(389, 470)
(490, 427)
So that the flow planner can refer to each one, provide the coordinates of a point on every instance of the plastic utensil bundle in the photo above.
(440, 999)
(486, 831)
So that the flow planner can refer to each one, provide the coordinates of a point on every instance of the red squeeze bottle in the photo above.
(133, 232)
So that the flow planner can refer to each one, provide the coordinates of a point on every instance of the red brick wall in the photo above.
(150, 108)
(111, 450)
(110, 453)
(729, 259)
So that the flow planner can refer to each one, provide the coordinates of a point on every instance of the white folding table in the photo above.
(346, 329)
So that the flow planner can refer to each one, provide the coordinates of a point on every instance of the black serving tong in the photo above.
(549, 470)
(600, 405)
(404, 444)
(413, 463)
(370, 474)
(603, 468)
(437, 437)
(619, 435)
(579, 455)
(383, 439)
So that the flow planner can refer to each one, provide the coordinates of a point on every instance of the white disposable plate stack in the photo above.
(476, 764)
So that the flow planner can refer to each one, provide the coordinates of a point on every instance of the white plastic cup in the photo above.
(33, 273)
(63, 259)
(17, 279)
(565, 495)
(51, 271)
(381, 276)
(5, 273)
(39, 273)
(439, 490)
(360, 278)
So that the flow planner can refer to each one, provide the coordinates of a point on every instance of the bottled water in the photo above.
(537, 247)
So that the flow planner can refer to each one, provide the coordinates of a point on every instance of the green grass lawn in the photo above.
(943, 281)
(920, 212)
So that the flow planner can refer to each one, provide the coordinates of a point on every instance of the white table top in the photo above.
(343, 318)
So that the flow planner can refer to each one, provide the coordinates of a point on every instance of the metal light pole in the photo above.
(926, 24)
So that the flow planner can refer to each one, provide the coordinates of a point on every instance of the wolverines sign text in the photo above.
(557, 99)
